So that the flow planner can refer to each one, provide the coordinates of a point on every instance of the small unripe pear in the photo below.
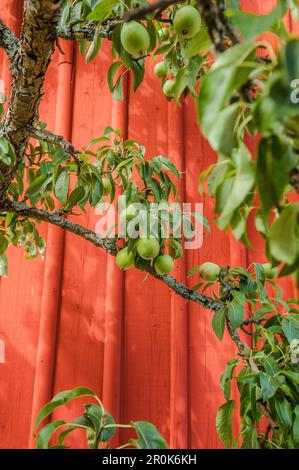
(135, 38)
(125, 259)
(163, 264)
(209, 271)
(148, 248)
(167, 87)
(187, 21)
(160, 69)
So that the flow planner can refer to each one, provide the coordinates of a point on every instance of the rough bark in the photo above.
(217, 24)
(36, 47)
(9, 42)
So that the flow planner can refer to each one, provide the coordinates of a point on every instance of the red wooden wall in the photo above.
(74, 319)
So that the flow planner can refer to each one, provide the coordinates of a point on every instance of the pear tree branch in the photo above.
(141, 12)
(57, 140)
(107, 244)
(8, 42)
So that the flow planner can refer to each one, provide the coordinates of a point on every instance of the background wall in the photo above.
(74, 319)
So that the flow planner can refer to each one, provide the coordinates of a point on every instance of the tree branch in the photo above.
(217, 24)
(141, 12)
(9, 42)
(36, 47)
(109, 245)
(20, 208)
(59, 141)
(86, 30)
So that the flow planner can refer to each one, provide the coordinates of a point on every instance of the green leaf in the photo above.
(260, 277)
(118, 93)
(235, 314)
(148, 436)
(76, 195)
(3, 264)
(290, 327)
(102, 10)
(94, 413)
(250, 439)
(217, 175)
(227, 75)
(38, 185)
(274, 162)
(100, 418)
(94, 47)
(168, 165)
(251, 24)
(218, 322)
(60, 156)
(62, 187)
(222, 134)
(61, 399)
(3, 244)
(45, 434)
(271, 367)
(296, 426)
(83, 46)
(269, 386)
(284, 412)
(108, 432)
(224, 422)
(226, 377)
(153, 35)
(242, 185)
(179, 85)
(77, 423)
(164, 48)
(201, 42)
(111, 73)
(283, 235)
(138, 74)
(293, 376)
(254, 396)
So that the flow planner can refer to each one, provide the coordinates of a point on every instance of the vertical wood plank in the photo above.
(46, 350)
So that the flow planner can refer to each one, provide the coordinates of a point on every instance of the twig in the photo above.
(85, 30)
(141, 12)
(9, 42)
(236, 338)
(217, 24)
(250, 321)
(59, 141)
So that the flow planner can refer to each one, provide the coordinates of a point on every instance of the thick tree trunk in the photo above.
(28, 70)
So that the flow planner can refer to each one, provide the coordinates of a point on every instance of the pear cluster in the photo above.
(147, 248)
